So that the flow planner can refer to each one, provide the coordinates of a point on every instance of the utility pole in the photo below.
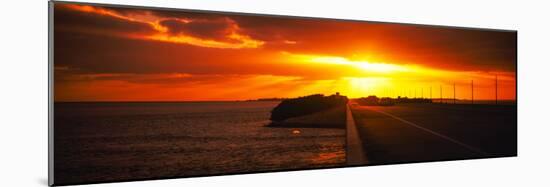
(454, 93)
(431, 93)
(440, 93)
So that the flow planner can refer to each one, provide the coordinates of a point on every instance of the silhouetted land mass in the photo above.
(302, 106)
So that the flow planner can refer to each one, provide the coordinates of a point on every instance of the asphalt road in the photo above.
(435, 132)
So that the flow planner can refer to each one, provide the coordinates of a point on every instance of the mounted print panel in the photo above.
(140, 93)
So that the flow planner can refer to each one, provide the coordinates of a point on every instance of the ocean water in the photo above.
(125, 141)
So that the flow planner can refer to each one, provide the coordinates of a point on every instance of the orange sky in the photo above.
(125, 54)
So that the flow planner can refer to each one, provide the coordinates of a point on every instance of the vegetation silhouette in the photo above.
(306, 105)
(386, 101)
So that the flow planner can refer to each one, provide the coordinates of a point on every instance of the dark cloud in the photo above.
(187, 14)
(77, 21)
(439, 47)
(454, 48)
(106, 54)
(205, 29)
(99, 54)
(127, 11)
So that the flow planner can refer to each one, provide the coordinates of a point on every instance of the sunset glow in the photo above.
(362, 64)
(125, 54)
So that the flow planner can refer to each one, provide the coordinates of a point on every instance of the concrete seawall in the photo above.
(355, 152)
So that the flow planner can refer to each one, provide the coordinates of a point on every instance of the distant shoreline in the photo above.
(214, 101)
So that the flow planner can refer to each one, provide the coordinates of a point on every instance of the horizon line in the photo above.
(248, 100)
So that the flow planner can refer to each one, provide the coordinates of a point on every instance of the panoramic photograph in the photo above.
(147, 93)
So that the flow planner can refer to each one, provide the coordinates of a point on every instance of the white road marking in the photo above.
(471, 148)
(355, 153)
